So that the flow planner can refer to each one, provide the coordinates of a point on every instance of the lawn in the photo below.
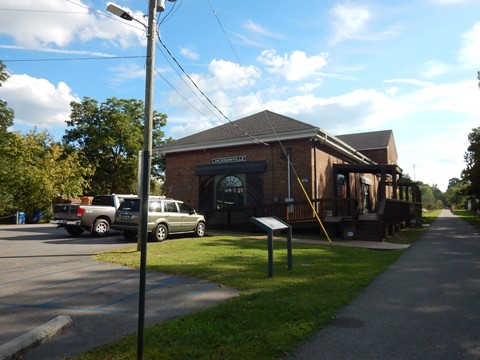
(271, 316)
(469, 216)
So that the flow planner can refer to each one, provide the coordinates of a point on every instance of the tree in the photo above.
(109, 137)
(456, 194)
(6, 114)
(35, 171)
(432, 196)
(471, 174)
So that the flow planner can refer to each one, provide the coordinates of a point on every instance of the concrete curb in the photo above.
(34, 337)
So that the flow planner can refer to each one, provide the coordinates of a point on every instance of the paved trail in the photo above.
(425, 306)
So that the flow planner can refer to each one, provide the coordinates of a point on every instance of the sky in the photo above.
(408, 66)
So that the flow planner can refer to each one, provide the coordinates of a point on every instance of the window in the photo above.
(185, 209)
(155, 206)
(170, 206)
(230, 192)
(130, 205)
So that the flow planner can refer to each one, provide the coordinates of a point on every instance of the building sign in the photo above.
(229, 159)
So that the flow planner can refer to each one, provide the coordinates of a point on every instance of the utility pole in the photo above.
(146, 154)
(146, 158)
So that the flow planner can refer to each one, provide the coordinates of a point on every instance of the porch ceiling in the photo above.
(345, 169)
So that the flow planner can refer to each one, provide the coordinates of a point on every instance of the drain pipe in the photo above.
(289, 181)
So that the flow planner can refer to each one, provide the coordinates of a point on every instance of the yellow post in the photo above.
(314, 211)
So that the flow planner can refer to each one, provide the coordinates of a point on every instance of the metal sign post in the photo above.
(270, 224)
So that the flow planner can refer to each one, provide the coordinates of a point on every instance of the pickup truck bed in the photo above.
(96, 218)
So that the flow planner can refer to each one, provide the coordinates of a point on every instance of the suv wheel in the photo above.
(200, 229)
(160, 233)
(101, 227)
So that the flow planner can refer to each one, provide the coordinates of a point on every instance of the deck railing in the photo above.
(392, 213)
(294, 212)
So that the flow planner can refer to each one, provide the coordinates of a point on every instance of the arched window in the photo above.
(230, 192)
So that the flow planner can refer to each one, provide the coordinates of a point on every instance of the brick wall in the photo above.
(182, 183)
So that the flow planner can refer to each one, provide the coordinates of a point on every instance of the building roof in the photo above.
(368, 140)
(263, 127)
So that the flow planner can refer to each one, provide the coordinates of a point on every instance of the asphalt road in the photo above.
(425, 306)
(46, 273)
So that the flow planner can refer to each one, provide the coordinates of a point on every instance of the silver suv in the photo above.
(165, 216)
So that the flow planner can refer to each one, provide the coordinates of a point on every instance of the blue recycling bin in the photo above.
(37, 215)
(20, 217)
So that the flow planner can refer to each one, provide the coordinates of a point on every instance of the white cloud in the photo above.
(260, 30)
(442, 153)
(448, 2)
(355, 111)
(181, 130)
(225, 75)
(434, 68)
(461, 98)
(470, 51)
(349, 21)
(51, 24)
(410, 81)
(37, 102)
(126, 72)
(189, 53)
(294, 67)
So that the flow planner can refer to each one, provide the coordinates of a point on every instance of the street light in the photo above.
(153, 7)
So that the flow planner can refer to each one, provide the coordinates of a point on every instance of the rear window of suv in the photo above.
(130, 205)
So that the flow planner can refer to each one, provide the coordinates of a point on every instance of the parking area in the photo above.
(46, 273)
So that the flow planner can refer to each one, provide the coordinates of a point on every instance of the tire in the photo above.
(130, 235)
(200, 229)
(160, 233)
(75, 230)
(101, 227)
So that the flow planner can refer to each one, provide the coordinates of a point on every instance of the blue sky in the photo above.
(345, 66)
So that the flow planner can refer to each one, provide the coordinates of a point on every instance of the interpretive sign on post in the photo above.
(270, 224)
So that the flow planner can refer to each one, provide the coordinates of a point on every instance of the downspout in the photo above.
(289, 182)
(315, 170)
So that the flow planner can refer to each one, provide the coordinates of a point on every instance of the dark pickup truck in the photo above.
(96, 218)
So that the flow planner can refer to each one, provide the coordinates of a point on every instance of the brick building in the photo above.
(268, 159)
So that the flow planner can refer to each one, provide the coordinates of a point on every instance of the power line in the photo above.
(46, 11)
(179, 93)
(206, 97)
(76, 59)
(284, 150)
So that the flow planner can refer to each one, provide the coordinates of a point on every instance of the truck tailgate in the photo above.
(65, 212)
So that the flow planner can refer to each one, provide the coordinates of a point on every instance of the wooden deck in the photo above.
(339, 217)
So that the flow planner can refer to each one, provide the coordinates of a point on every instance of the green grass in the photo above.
(271, 316)
(469, 216)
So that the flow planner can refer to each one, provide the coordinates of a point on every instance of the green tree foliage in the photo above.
(456, 194)
(35, 170)
(471, 174)
(432, 196)
(6, 114)
(109, 137)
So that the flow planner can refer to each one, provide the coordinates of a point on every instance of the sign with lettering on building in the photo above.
(229, 159)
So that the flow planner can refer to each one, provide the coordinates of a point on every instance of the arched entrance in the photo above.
(230, 192)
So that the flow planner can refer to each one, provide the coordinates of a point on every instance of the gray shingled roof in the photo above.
(368, 140)
(253, 126)
(263, 127)
(267, 126)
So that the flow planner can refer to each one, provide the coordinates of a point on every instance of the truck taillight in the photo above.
(80, 212)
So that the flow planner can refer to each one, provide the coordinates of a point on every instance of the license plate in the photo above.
(126, 217)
